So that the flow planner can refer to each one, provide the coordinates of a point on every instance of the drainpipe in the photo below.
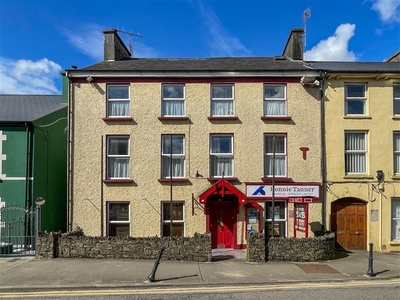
(323, 149)
(69, 157)
(380, 222)
(28, 169)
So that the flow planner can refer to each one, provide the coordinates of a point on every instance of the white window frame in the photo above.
(166, 156)
(349, 152)
(111, 101)
(217, 155)
(125, 157)
(123, 222)
(277, 155)
(225, 100)
(269, 99)
(396, 152)
(362, 99)
(268, 216)
(174, 221)
(169, 100)
(396, 99)
(395, 218)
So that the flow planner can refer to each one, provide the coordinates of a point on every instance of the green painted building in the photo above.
(33, 159)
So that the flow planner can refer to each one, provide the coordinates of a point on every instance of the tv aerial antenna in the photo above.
(130, 35)
(306, 15)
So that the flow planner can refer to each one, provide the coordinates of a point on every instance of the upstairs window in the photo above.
(118, 157)
(221, 155)
(173, 100)
(274, 100)
(177, 151)
(118, 101)
(355, 152)
(396, 152)
(280, 155)
(396, 99)
(222, 100)
(355, 103)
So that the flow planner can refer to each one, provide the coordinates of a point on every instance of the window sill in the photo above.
(215, 179)
(173, 118)
(271, 118)
(122, 119)
(358, 176)
(118, 180)
(396, 117)
(394, 243)
(277, 179)
(396, 177)
(223, 118)
(358, 117)
(164, 180)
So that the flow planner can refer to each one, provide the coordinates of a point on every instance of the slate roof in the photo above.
(220, 64)
(28, 108)
(355, 67)
(236, 64)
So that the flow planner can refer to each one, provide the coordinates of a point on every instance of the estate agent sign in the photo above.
(283, 190)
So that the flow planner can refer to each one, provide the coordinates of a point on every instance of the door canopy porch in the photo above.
(222, 187)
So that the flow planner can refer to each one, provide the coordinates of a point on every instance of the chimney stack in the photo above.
(114, 47)
(294, 44)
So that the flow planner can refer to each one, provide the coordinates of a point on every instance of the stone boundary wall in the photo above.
(290, 249)
(76, 245)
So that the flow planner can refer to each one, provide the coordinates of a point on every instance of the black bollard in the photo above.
(156, 263)
(370, 271)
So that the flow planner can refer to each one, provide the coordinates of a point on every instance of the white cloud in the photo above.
(334, 48)
(221, 43)
(90, 41)
(29, 77)
(388, 10)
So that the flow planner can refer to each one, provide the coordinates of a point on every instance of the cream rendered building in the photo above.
(362, 124)
(237, 126)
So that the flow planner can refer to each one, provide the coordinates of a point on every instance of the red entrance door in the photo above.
(221, 224)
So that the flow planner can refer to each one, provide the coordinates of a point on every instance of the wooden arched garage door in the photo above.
(349, 219)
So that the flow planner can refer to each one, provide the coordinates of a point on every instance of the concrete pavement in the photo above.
(228, 268)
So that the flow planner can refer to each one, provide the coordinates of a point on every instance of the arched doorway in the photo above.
(222, 202)
(349, 222)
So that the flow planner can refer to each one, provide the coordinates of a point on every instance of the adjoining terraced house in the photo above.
(33, 163)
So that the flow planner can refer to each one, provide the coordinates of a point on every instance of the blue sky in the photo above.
(40, 38)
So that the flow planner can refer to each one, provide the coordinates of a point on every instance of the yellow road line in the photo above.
(195, 290)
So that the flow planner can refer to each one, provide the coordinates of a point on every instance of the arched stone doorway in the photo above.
(349, 222)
